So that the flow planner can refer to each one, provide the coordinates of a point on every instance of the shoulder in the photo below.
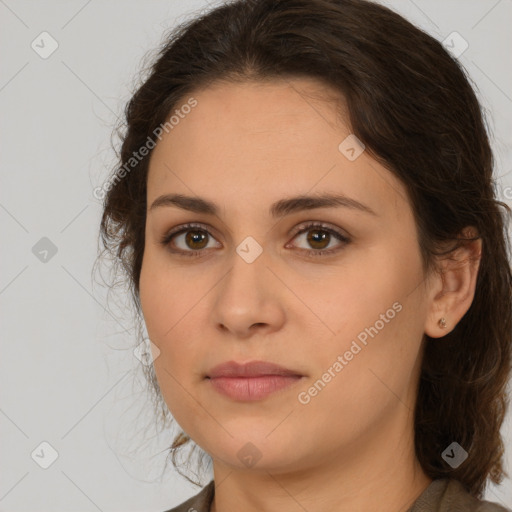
(199, 503)
(448, 495)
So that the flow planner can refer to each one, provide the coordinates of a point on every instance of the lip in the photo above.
(251, 381)
(250, 369)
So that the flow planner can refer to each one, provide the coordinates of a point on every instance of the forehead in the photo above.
(254, 114)
(255, 142)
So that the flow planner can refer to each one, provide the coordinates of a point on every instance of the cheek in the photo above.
(163, 297)
(351, 298)
(165, 303)
(172, 306)
(376, 315)
(371, 380)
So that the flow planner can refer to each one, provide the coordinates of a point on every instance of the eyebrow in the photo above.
(278, 209)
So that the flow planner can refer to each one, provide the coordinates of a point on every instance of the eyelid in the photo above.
(303, 226)
(341, 235)
(183, 228)
(190, 225)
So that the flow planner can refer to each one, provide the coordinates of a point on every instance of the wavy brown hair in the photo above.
(415, 110)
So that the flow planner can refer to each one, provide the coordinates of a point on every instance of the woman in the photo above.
(304, 207)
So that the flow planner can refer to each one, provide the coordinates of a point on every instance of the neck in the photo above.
(378, 473)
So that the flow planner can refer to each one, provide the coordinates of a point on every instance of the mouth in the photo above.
(251, 381)
(249, 389)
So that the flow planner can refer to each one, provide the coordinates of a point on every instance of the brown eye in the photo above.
(196, 239)
(319, 237)
(190, 240)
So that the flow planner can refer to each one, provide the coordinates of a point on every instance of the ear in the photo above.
(453, 286)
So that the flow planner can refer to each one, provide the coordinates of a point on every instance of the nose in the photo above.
(249, 299)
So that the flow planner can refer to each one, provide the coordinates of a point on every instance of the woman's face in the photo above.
(350, 321)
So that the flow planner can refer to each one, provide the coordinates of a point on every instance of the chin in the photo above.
(256, 452)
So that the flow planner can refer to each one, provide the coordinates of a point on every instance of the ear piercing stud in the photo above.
(442, 323)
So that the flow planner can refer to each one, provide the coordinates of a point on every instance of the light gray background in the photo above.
(68, 373)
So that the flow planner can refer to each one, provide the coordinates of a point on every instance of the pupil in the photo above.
(194, 237)
(318, 236)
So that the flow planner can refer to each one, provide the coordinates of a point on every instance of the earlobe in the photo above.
(456, 284)
(442, 323)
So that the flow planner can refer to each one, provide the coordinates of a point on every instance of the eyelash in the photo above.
(167, 238)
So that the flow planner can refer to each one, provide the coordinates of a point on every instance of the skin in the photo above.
(351, 447)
